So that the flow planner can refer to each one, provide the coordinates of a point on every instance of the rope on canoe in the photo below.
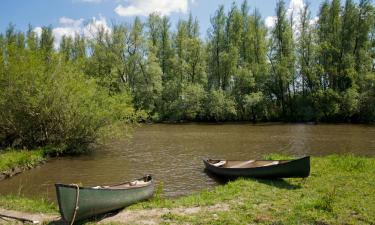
(76, 207)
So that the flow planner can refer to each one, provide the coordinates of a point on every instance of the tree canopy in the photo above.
(301, 69)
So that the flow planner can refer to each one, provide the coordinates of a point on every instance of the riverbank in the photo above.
(13, 162)
(340, 190)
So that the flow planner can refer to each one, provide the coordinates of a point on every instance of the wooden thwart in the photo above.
(242, 164)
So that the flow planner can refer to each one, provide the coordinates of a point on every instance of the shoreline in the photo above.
(339, 189)
(257, 123)
(13, 162)
(19, 169)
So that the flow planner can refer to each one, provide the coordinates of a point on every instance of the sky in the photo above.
(83, 16)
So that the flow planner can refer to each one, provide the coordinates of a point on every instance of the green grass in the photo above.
(23, 204)
(11, 159)
(340, 190)
(25, 159)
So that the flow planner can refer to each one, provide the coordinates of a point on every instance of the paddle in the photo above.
(20, 219)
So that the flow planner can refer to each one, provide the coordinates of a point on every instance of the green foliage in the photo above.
(220, 106)
(367, 108)
(327, 101)
(253, 104)
(69, 97)
(281, 56)
(192, 101)
(148, 91)
(23, 159)
(46, 101)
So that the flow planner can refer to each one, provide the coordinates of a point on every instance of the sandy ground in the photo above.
(154, 216)
(141, 217)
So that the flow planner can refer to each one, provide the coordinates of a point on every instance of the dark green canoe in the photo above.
(259, 168)
(93, 201)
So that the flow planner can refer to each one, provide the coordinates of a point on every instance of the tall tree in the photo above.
(66, 47)
(165, 50)
(282, 58)
(46, 43)
(216, 46)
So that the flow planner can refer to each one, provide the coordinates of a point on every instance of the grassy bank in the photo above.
(16, 161)
(19, 203)
(340, 190)
(12, 159)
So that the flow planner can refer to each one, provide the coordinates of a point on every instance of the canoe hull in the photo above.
(295, 168)
(97, 201)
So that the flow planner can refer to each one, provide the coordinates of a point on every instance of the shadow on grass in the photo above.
(94, 219)
(279, 183)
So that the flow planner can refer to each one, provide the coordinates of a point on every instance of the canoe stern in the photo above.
(93, 201)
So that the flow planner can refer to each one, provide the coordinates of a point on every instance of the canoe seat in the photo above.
(137, 183)
(272, 163)
(100, 187)
(242, 164)
(220, 163)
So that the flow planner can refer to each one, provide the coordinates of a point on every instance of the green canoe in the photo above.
(78, 203)
(259, 168)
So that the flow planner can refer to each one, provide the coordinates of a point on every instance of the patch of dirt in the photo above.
(154, 216)
(41, 218)
(141, 217)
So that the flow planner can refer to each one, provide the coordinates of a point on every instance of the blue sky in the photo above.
(69, 16)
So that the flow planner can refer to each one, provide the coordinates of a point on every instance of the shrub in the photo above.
(11, 159)
(50, 103)
(220, 106)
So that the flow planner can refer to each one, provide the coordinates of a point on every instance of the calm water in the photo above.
(173, 154)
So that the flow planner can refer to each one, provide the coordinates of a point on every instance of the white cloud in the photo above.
(270, 21)
(92, 28)
(314, 21)
(38, 31)
(295, 7)
(70, 27)
(146, 7)
(294, 11)
(70, 22)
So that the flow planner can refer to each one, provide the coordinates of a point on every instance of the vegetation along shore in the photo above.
(88, 88)
(13, 162)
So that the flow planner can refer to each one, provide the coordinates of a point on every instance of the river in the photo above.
(173, 154)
